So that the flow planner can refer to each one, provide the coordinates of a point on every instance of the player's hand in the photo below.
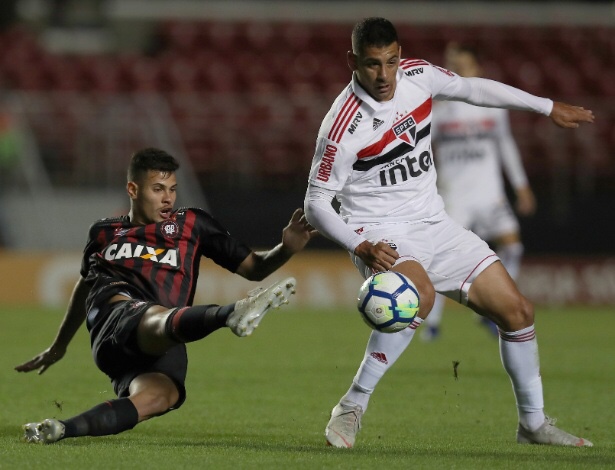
(297, 233)
(568, 116)
(526, 202)
(380, 257)
(43, 361)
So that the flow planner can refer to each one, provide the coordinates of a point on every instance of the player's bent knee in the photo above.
(150, 405)
(427, 297)
(518, 315)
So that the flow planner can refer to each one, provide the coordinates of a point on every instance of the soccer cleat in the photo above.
(250, 311)
(45, 432)
(344, 425)
(550, 435)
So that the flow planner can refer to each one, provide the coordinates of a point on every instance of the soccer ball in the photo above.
(388, 301)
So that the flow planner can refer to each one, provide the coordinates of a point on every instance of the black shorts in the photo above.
(112, 328)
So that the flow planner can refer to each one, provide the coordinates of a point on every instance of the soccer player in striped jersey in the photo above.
(373, 153)
(138, 280)
(472, 145)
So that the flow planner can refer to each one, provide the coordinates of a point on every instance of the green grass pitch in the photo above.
(263, 401)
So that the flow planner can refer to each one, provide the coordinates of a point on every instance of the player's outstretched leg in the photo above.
(549, 434)
(344, 424)
(45, 432)
(250, 311)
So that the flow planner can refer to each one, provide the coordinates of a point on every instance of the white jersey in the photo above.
(376, 156)
(472, 146)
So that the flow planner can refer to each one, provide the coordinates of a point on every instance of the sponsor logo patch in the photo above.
(380, 357)
(377, 123)
(120, 251)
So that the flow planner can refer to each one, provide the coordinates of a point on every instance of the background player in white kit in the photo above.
(373, 154)
(472, 145)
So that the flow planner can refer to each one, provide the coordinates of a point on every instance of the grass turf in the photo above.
(263, 401)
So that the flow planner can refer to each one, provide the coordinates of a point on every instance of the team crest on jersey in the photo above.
(406, 130)
(169, 229)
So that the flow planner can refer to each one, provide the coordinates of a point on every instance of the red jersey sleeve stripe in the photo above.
(344, 116)
(407, 63)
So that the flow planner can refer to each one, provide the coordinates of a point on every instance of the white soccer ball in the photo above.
(388, 301)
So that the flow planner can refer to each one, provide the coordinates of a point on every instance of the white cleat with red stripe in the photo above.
(250, 311)
(344, 425)
(548, 434)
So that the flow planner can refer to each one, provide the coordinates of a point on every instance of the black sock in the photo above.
(193, 323)
(110, 417)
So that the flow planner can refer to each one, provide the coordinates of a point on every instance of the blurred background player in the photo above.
(472, 145)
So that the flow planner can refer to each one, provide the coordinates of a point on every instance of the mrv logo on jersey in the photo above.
(118, 251)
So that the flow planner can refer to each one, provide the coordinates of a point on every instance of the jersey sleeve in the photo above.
(217, 243)
(331, 165)
(93, 245)
(447, 85)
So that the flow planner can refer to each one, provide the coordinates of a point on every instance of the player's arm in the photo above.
(73, 319)
(260, 264)
(322, 216)
(492, 94)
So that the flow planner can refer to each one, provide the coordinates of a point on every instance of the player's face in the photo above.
(462, 63)
(152, 199)
(376, 69)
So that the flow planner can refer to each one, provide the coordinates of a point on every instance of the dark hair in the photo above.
(373, 31)
(150, 159)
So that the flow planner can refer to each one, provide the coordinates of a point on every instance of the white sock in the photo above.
(435, 316)
(519, 353)
(383, 349)
(510, 255)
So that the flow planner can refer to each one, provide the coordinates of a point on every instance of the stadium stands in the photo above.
(248, 97)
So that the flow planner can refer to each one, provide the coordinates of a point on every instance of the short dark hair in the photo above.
(373, 31)
(150, 159)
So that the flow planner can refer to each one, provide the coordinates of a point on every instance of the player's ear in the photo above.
(351, 58)
(131, 189)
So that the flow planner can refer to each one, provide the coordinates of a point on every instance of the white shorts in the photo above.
(488, 220)
(452, 256)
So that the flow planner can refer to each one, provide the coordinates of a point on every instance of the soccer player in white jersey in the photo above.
(373, 154)
(472, 146)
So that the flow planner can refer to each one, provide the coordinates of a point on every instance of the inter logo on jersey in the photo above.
(119, 251)
(406, 130)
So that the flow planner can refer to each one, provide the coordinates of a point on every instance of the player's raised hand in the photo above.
(298, 232)
(42, 361)
(569, 116)
(379, 257)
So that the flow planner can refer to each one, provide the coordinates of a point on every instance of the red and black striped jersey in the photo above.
(157, 262)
